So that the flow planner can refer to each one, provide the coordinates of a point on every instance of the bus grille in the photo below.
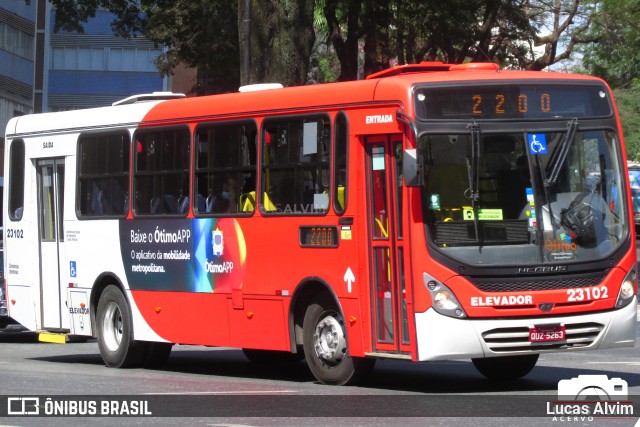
(538, 284)
(517, 339)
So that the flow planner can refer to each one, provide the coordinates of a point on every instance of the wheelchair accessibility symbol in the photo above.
(537, 143)
(72, 269)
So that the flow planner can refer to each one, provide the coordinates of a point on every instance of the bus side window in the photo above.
(103, 174)
(341, 149)
(295, 166)
(225, 168)
(162, 171)
(16, 184)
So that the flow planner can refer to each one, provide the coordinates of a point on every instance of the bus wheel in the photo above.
(115, 331)
(272, 356)
(325, 346)
(506, 367)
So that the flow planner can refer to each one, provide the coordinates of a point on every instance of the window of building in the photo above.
(16, 180)
(101, 59)
(103, 174)
(295, 166)
(15, 41)
(161, 178)
(225, 172)
(341, 150)
(131, 59)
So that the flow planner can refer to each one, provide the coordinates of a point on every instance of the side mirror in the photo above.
(412, 167)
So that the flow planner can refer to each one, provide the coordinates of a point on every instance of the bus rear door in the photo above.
(50, 175)
(387, 245)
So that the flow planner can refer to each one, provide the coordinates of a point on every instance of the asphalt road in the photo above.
(220, 387)
(203, 386)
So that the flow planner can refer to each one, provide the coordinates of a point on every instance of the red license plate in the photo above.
(547, 333)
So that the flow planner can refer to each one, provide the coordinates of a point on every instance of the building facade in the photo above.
(44, 71)
(17, 58)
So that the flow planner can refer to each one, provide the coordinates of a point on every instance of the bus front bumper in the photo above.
(440, 337)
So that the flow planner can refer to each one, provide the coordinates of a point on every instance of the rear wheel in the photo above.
(325, 346)
(506, 367)
(115, 331)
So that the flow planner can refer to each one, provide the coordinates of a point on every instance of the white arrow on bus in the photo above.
(349, 278)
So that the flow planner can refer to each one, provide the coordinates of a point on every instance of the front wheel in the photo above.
(325, 346)
(506, 367)
(115, 331)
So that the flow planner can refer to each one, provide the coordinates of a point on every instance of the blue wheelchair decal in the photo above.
(537, 143)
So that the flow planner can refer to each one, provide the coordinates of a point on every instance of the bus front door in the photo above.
(50, 173)
(387, 255)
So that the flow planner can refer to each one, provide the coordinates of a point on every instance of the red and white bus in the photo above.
(430, 212)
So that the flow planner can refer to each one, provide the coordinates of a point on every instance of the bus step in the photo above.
(52, 338)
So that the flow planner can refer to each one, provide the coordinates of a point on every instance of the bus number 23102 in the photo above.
(587, 294)
(13, 233)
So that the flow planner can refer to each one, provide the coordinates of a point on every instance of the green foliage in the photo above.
(628, 102)
(199, 34)
(357, 37)
(614, 56)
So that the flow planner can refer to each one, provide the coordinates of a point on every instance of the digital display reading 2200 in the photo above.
(512, 101)
(318, 236)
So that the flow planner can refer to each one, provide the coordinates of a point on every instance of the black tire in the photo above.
(329, 360)
(115, 331)
(156, 354)
(272, 356)
(506, 367)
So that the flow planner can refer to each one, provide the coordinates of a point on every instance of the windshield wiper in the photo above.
(565, 145)
(473, 173)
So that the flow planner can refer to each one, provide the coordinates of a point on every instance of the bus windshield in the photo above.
(526, 197)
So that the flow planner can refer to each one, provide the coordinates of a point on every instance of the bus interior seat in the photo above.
(267, 203)
(183, 204)
(97, 199)
(154, 205)
(210, 203)
(171, 203)
(340, 196)
(248, 202)
(201, 204)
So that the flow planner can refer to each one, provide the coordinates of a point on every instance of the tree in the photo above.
(525, 34)
(614, 55)
(560, 27)
(280, 40)
(204, 34)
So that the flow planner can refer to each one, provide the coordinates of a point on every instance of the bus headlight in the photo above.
(628, 288)
(444, 300)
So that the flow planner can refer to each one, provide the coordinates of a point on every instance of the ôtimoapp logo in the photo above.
(591, 397)
(217, 242)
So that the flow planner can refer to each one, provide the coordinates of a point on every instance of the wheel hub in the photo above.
(112, 327)
(329, 341)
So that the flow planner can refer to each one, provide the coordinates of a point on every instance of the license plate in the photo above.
(547, 333)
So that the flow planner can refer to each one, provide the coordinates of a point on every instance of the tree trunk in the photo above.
(280, 38)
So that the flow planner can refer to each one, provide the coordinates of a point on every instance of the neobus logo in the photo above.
(544, 269)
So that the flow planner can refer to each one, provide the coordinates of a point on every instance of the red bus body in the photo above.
(375, 260)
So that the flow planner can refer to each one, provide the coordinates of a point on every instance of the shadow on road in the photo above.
(442, 377)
